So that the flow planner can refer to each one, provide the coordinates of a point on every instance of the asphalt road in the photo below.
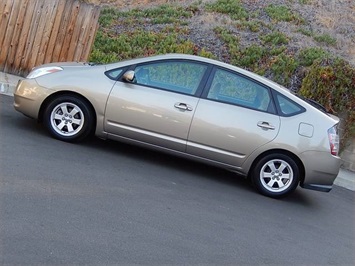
(106, 203)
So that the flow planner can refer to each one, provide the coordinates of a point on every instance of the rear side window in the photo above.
(230, 87)
(287, 107)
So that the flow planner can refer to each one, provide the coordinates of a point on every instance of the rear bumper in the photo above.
(321, 169)
(322, 188)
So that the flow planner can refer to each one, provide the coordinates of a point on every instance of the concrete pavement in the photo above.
(8, 84)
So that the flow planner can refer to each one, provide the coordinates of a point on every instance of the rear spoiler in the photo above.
(319, 107)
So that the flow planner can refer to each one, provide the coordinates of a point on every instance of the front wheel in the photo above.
(68, 118)
(275, 175)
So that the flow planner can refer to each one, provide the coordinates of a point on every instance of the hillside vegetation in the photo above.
(305, 45)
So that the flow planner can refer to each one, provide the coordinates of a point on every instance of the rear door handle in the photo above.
(265, 125)
(183, 106)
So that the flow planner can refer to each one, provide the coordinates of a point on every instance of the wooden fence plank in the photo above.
(54, 33)
(69, 31)
(92, 34)
(2, 9)
(33, 32)
(39, 33)
(50, 18)
(31, 36)
(9, 66)
(62, 29)
(24, 35)
(5, 17)
(9, 31)
(81, 40)
(76, 33)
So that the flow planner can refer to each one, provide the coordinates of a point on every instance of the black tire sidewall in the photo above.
(87, 127)
(255, 177)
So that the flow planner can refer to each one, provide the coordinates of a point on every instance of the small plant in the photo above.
(283, 67)
(163, 14)
(305, 31)
(252, 25)
(282, 13)
(107, 16)
(277, 50)
(231, 40)
(309, 55)
(325, 38)
(275, 38)
(233, 8)
(250, 56)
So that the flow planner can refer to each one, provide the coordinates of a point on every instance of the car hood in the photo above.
(64, 64)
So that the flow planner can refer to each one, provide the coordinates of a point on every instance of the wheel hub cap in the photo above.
(276, 175)
(67, 119)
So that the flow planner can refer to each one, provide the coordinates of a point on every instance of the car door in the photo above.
(235, 117)
(158, 106)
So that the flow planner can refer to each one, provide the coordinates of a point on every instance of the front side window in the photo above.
(177, 76)
(232, 88)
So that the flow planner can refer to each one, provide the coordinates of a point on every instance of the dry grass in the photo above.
(333, 17)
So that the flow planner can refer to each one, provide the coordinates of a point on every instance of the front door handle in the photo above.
(183, 106)
(265, 125)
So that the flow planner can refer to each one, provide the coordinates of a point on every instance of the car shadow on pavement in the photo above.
(196, 169)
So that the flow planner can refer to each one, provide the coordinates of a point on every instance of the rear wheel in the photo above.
(68, 118)
(276, 175)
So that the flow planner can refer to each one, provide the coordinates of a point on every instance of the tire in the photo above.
(68, 118)
(276, 175)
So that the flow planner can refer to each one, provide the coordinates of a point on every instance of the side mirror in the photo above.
(129, 76)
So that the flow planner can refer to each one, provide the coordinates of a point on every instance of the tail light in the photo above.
(333, 140)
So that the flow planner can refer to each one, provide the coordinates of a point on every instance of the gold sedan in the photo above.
(193, 107)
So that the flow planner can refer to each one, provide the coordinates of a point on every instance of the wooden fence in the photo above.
(34, 32)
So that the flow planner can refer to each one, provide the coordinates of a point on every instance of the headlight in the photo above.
(43, 71)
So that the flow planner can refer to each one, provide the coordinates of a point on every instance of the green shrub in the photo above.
(162, 14)
(275, 38)
(233, 8)
(308, 55)
(325, 38)
(283, 67)
(282, 13)
(305, 31)
(250, 56)
(252, 25)
(331, 82)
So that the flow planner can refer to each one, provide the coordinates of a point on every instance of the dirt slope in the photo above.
(333, 17)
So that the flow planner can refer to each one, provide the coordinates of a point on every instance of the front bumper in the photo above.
(29, 96)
